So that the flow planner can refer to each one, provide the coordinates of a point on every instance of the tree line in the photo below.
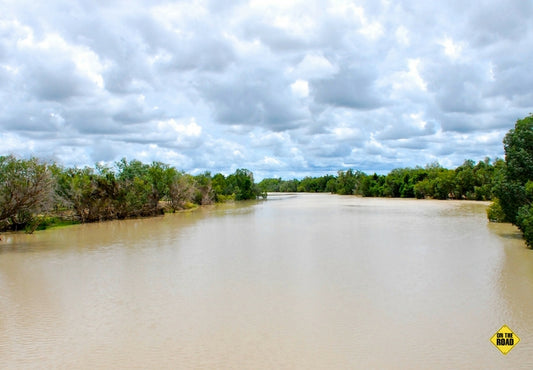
(473, 181)
(34, 193)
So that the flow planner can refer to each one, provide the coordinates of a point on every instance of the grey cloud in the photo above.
(402, 130)
(208, 54)
(512, 80)
(56, 82)
(90, 121)
(119, 79)
(134, 111)
(497, 20)
(129, 116)
(207, 50)
(467, 123)
(329, 150)
(220, 7)
(274, 38)
(350, 87)
(461, 98)
(415, 144)
(457, 87)
(34, 117)
(104, 150)
(4, 77)
(255, 97)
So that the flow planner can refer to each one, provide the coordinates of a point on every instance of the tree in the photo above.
(204, 189)
(77, 189)
(220, 188)
(349, 182)
(518, 146)
(159, 176)
(289, 186)
(331, 185)
(181, 191)
(515, 188)
(371, 186)
(484, 178)
(26, 190)
(465, 180)
(270, 185)
(242, 185)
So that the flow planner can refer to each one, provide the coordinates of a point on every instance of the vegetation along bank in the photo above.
(34, 193)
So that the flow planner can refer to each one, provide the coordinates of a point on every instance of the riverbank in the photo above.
(48, 222)
(32, 188)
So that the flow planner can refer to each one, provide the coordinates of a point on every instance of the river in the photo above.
(306, 281)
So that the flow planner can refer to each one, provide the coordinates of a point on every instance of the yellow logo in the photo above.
(504, 339)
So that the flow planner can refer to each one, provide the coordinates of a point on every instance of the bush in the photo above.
(524, 221)
(26, 190)
(495, 212)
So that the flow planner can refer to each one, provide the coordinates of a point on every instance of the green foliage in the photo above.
(372, 186)
(518, 146)
(512, 196)
(160, 176)
(348, 182)
(331, 185)
(49, 222)
(465, 181)
(78, 188)
(181, 191)
(29, 189)
(495, 212)
(204, 193)
(524, 220)
(289, 186)
(241, 183)
(444, 185)
(270, 185)
(25, 191)
(314, 184)
(401, 182)
(518, 169)
(468, 181)
(220, 188)
(514, 180)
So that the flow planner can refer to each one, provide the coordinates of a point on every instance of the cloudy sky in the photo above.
(281, 87)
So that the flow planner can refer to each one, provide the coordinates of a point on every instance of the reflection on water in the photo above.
(297, 281)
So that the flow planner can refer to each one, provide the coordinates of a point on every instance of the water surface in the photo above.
(297, 281)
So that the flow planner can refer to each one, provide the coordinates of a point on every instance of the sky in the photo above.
(283, 88)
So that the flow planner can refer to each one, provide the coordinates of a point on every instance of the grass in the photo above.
(45, 223)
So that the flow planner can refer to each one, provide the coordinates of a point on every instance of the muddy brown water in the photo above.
(297, 281)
